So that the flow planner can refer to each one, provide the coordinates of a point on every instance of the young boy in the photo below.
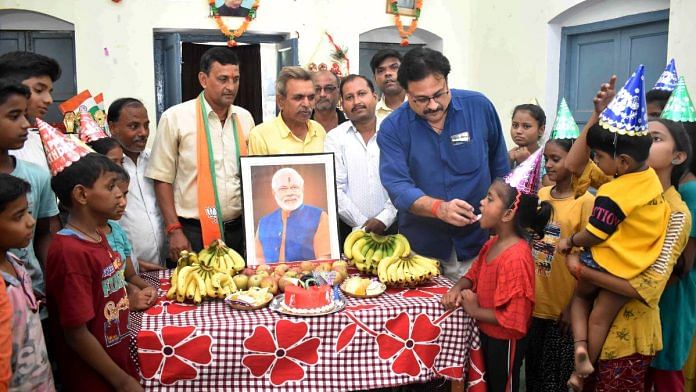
(626, 230)
(88, 303)
(38, 73)
(14, 98)
(31, 370)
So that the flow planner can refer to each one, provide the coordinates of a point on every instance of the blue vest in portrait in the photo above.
(299, 241)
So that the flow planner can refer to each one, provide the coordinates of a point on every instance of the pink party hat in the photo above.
(89, 129)
(526, 177)
(61, 151)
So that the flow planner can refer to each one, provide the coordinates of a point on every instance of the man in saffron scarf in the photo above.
(195, 160)
(294, 231)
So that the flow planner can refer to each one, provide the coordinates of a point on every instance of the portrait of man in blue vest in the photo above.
(294, 231)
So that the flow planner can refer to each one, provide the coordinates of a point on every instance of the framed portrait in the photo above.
(403, 7)
(238, 8)
(290, 208)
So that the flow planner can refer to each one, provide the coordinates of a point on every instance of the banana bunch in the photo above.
(221, 258)
(368, 249)
(408, 271)
(207, 274)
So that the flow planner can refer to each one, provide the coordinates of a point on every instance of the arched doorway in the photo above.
(387, 37)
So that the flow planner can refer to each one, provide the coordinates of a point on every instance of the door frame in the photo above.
(160, 38)
(624, 21)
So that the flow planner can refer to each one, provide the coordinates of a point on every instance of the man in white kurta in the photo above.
(362, 201)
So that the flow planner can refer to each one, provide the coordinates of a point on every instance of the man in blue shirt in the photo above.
(439, 155)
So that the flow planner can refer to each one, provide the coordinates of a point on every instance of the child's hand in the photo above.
(606, 93)
(451, 299)
(152, 292)
(141, 299)
(469, 301)
(129, 384)
(573, 263)
(564, 246)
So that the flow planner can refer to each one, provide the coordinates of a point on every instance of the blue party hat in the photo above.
(668, 79)
(626, 113)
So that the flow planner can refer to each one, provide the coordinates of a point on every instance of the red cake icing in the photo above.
(309, 298)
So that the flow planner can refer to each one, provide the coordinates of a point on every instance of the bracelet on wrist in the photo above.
(434, 207)
(173, 227)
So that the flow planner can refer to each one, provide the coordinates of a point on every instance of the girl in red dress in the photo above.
(498, 290)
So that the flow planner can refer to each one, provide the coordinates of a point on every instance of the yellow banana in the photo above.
(355, 252)
(382, 268)
(191, 288)
(199, 280)
(197, 296)
(368, 258)
(350, 241)
(182, 278)
(391, 270)
(406, 245)
(238, 262)
(209, 289)
(431, 265)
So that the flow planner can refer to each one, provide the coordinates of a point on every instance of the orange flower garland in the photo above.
(404, 34)
(233, 35)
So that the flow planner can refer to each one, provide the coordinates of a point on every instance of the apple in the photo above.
(324, 267)
(255, 281)
(291, 274)
(269, 283)
(340, 277)
(276, 277)
(340, 264)
(262, 274)
(281, 268)
(307, 266)
(242, 282)
(263, 267)
(249, 271)
(284, 282)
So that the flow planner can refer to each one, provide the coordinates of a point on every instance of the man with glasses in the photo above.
(292, 131)
(438, 156)
(295, 231)
(326, 111)
(385, 66)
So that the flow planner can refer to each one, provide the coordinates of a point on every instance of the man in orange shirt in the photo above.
(294, 231)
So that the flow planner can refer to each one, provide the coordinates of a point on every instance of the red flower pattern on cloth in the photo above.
(173, 354)
(428, 291)
(164, 305)
(165, 285)
(283, 354)
(409, 344)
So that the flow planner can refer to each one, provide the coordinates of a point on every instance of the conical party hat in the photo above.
(565, 126)
(61, 151)
(668, 79)
(526, 177)
(626, 113)
(680, 107)
(89, 129)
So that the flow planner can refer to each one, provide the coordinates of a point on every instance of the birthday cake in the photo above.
(310, 300)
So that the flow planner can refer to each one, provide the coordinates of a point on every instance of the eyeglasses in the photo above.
(423, 100)
(328, 89)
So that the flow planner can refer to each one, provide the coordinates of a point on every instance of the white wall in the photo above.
(508, 49)
(126, 30)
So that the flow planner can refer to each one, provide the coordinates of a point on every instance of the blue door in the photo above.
(591, 53)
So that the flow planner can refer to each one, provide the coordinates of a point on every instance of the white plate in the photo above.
(276, 305)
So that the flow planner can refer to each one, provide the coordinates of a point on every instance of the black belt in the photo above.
(195, 222)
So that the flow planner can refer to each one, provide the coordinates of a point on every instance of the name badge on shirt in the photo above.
(460, 138)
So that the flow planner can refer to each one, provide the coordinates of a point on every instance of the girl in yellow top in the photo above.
(549, 358)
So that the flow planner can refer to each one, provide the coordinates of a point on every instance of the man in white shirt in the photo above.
(142, 221)
(362, 201)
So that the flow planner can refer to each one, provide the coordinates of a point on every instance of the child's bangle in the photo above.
(434, 207)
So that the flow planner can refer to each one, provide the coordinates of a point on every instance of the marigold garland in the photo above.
(404, 34)
(232, 36)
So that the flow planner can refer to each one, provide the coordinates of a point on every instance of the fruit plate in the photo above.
(238, 305)
(277, 305)
(382, 289)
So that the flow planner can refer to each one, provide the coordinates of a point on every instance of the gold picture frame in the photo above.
(404, 7)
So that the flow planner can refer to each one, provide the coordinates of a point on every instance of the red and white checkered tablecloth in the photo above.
(401, 337)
